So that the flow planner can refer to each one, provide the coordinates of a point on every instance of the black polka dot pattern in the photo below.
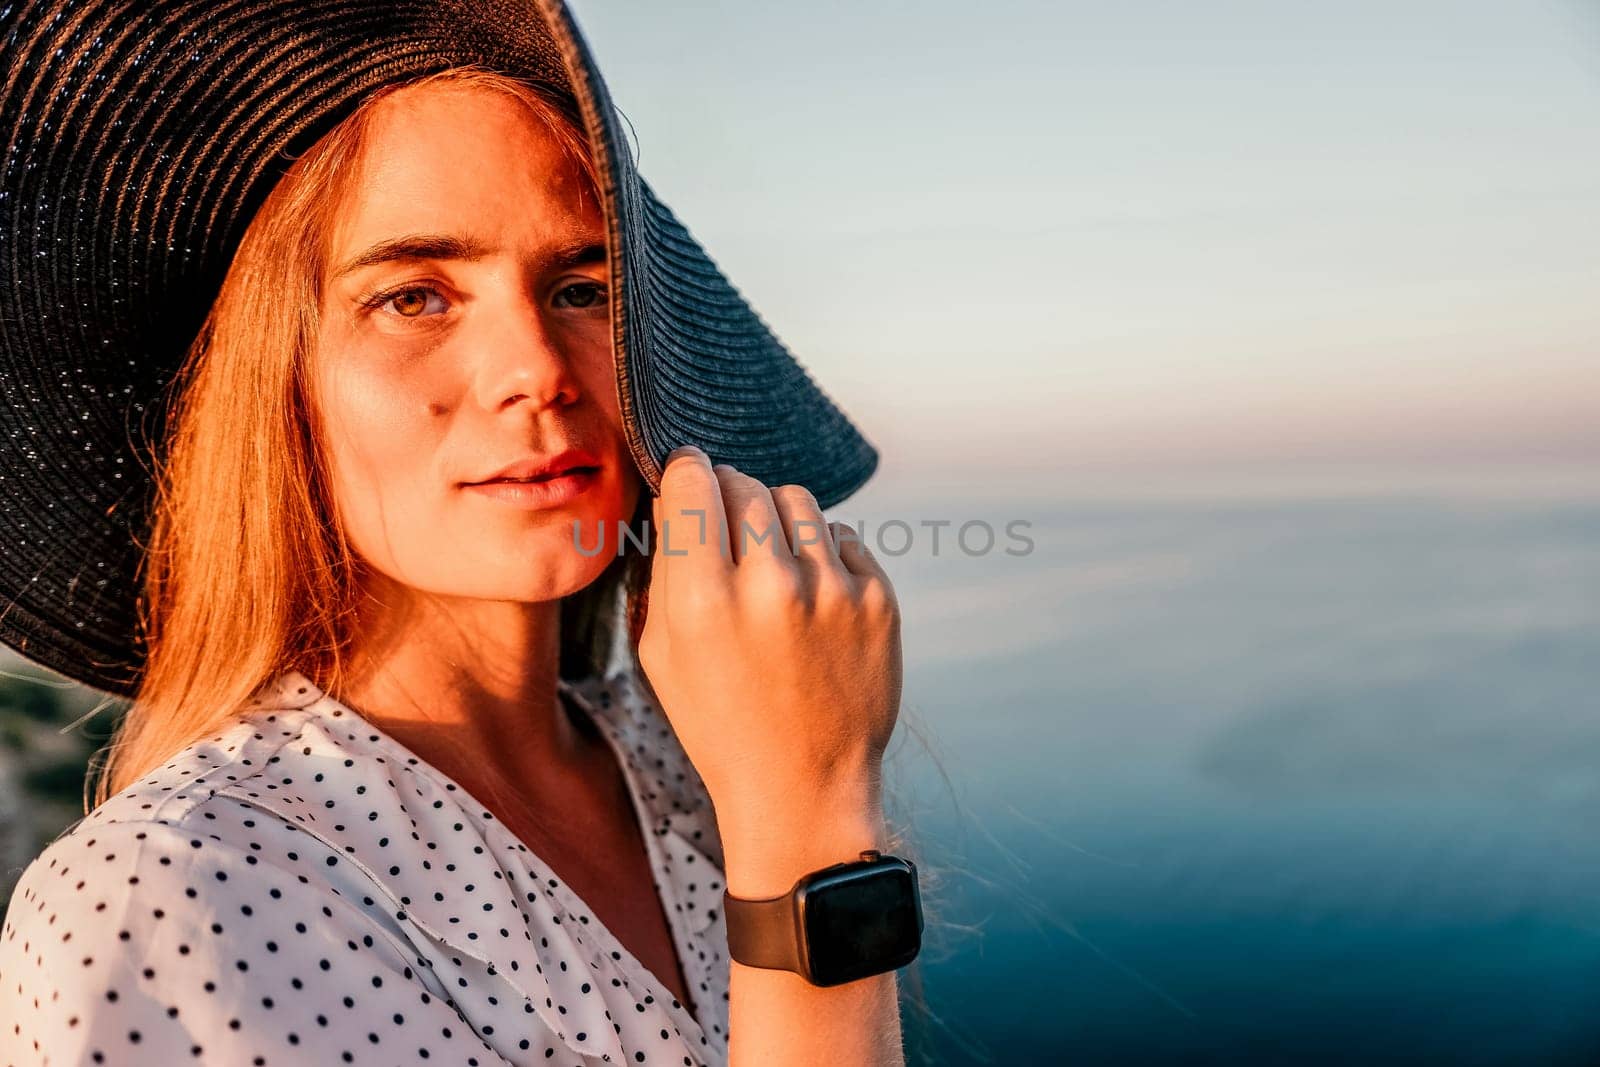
(302, 888)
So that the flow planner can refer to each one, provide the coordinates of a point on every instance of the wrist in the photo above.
(764, 857)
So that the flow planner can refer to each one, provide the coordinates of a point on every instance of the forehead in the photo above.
(463, 159)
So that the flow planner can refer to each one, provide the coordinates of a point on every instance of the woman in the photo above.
(383, 794)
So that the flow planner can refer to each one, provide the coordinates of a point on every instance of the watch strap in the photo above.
(763, 933)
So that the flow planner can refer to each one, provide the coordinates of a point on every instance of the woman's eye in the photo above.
(582, 295)
(412, 302)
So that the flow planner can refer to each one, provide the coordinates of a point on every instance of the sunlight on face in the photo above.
(465, 326)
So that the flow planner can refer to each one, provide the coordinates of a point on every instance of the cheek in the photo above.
(588, 347)
(380, 436)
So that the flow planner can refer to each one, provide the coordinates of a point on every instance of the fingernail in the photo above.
(685, 450)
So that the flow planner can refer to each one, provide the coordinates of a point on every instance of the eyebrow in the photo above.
(581, 253)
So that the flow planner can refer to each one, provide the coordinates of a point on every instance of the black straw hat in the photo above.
(139, 139)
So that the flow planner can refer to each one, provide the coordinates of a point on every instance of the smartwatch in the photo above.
(837, 924)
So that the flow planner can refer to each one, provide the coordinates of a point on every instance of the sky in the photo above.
(1057, 234)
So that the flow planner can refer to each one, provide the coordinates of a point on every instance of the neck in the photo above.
(469, 685)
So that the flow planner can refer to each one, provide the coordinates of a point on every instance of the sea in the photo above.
(1232, 775)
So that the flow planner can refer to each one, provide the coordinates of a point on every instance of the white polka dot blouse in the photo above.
(303, 889)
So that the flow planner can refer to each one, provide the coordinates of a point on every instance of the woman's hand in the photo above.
(772, 642)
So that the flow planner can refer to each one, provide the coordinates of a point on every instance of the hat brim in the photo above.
(139, 141)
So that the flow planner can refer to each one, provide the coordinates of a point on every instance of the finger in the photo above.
(809, 538)
(694, 525)
(854, 553)
(752, 516)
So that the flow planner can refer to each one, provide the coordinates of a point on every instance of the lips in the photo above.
(560, 490)
(540, 478)
(542, 469)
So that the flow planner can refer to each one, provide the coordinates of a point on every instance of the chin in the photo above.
(548, 570)
(498, 583)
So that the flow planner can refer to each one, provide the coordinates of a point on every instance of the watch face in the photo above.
(862, 920)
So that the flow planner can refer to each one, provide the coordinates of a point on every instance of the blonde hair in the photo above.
(246, 573)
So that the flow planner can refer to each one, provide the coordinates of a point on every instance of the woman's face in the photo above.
(466, 326)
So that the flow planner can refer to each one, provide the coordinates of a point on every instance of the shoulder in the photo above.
(150, 942)
(179, 920)
(213, 796)
(134, 941)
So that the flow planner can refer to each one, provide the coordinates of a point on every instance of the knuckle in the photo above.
(746, 494)
(833, 590)
(846, 540)
(776, 588)
(878, 599)
(794, 493)
(803, 532)
(753, 533)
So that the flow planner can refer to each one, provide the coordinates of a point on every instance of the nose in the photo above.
(520, 360)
